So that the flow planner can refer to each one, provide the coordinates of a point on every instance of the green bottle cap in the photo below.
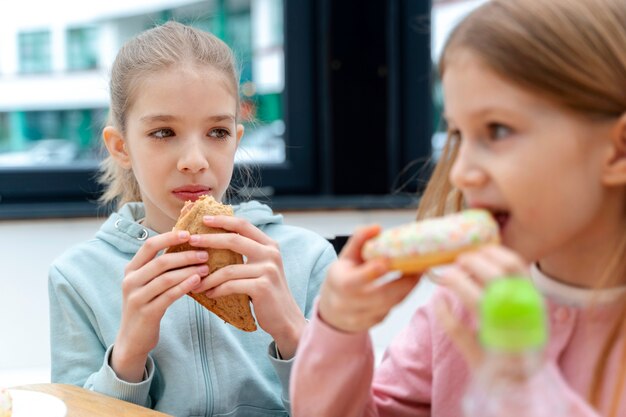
(512, 316)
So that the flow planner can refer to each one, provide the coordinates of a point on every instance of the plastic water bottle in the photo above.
(511, 380)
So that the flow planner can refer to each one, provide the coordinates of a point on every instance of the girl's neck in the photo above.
(157, 226)
(585, 264)
(155, 219)
(583, 270)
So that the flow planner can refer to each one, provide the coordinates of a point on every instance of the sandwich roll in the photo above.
(233, 309)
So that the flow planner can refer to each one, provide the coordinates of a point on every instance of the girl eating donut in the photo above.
(535, 103)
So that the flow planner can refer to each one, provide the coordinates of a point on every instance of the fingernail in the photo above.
(438, 274)
(203, 270)
(202, 255)
(194, 280)
(208, 218)
(194, 239)
(183, 234)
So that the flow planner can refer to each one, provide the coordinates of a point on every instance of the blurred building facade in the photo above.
(55, 60)
(313, 98)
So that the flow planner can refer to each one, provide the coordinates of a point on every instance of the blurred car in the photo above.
(42, 152)
(263, 144)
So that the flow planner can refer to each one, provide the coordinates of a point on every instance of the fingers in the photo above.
(167, 262)
(238, 226)
(349, 279)
(365, 273)
(510, 262)
(232, 241)
(154, 245)
(480, 267)
(148, 276)
(353, 246)
(352, 302)
(393, 292)
(229, 273)
(462, 336)
(260, 248)
(180, 282)
(183, 277)
(471, 272)
(462, 284)
(490, 263)
(363, 311)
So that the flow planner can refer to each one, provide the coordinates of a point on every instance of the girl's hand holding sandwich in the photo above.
(261, 277)
(151, 284)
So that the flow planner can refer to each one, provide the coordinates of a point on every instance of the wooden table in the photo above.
(81, 402)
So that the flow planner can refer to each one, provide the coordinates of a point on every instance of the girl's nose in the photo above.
(192, 158)
(466, 171)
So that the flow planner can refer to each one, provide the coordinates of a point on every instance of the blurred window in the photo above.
(34, 52)
(253, 29)
(50, 137)
(82, 52)
(50, 126)
(311, 100)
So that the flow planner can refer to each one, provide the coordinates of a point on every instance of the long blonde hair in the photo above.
(572, 52)
(154, 50)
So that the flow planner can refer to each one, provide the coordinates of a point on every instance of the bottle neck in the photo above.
(513, 365)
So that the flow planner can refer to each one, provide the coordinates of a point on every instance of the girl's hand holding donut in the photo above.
(261, 277)
(467, 279)
(151, 284)
(468, 242)
(351, 299)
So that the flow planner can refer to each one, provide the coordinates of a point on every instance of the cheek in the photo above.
(223, 157)
(147, 164)
(224, 169)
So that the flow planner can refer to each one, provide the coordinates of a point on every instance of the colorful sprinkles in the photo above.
(440, 234)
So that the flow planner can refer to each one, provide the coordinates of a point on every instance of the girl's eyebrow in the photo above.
(221, 118)
(156, 118)
(168, 118)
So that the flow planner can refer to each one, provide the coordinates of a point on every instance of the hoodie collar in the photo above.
(571, 295)
(123, 231)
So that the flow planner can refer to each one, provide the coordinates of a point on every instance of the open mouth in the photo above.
(501, 217)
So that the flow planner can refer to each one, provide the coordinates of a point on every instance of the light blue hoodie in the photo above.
(201, 365)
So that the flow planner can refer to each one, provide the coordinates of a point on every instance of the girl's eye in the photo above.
(162, 133)
(498, 131)
(219, 133)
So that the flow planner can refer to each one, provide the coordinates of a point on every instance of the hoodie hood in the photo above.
(258, 214)
(123, 231)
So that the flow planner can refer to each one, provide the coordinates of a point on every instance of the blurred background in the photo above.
(340, 99)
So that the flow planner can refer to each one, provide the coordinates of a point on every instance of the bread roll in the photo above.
(233, 309)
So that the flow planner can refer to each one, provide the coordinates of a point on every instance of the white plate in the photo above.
(36, 404)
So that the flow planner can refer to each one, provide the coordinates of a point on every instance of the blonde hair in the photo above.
(157, 49)
(570, 51)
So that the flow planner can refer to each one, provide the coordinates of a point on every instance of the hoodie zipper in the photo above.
(204, 359)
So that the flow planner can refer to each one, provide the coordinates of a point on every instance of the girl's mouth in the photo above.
(189, 195)
(191, 192)
(502, 218)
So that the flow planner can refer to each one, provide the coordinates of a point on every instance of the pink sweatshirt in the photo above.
(423, 374)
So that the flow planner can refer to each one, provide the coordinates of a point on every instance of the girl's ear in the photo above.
(615, 168)
(240, 130)
(116, 145)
